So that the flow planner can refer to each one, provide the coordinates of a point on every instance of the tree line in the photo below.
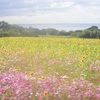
(8, 30)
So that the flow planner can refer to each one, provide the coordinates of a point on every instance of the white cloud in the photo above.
(61, 4)
(30, 1)
(50, 11)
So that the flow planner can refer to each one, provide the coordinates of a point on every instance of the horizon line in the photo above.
(53, 23)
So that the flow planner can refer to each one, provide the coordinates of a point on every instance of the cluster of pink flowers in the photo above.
(95, 66)
(66, 89)
(15, 85)
(83, 89)
(53, 85)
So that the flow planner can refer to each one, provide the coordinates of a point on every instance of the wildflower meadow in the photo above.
(49, 68)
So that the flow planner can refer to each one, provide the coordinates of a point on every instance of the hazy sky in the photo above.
(50, 11)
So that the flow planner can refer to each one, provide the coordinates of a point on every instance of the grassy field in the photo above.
(49, 68)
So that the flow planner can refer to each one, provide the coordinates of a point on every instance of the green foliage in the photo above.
(92, 32)
(15, 30)
(4, 26)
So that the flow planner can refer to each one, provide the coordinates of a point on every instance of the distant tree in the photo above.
(92, 32)
(62, 32)
(93, 28)
(52, 31)
(43, 32)
(4, 26)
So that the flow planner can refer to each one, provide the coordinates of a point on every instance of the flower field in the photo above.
(49, 68)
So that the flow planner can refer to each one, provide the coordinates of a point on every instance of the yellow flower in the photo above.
(45, 93)
(18, 68)
(31, 73)
(43, 77)
(83, 59)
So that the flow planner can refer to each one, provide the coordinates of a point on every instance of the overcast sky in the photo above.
(50, 11)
